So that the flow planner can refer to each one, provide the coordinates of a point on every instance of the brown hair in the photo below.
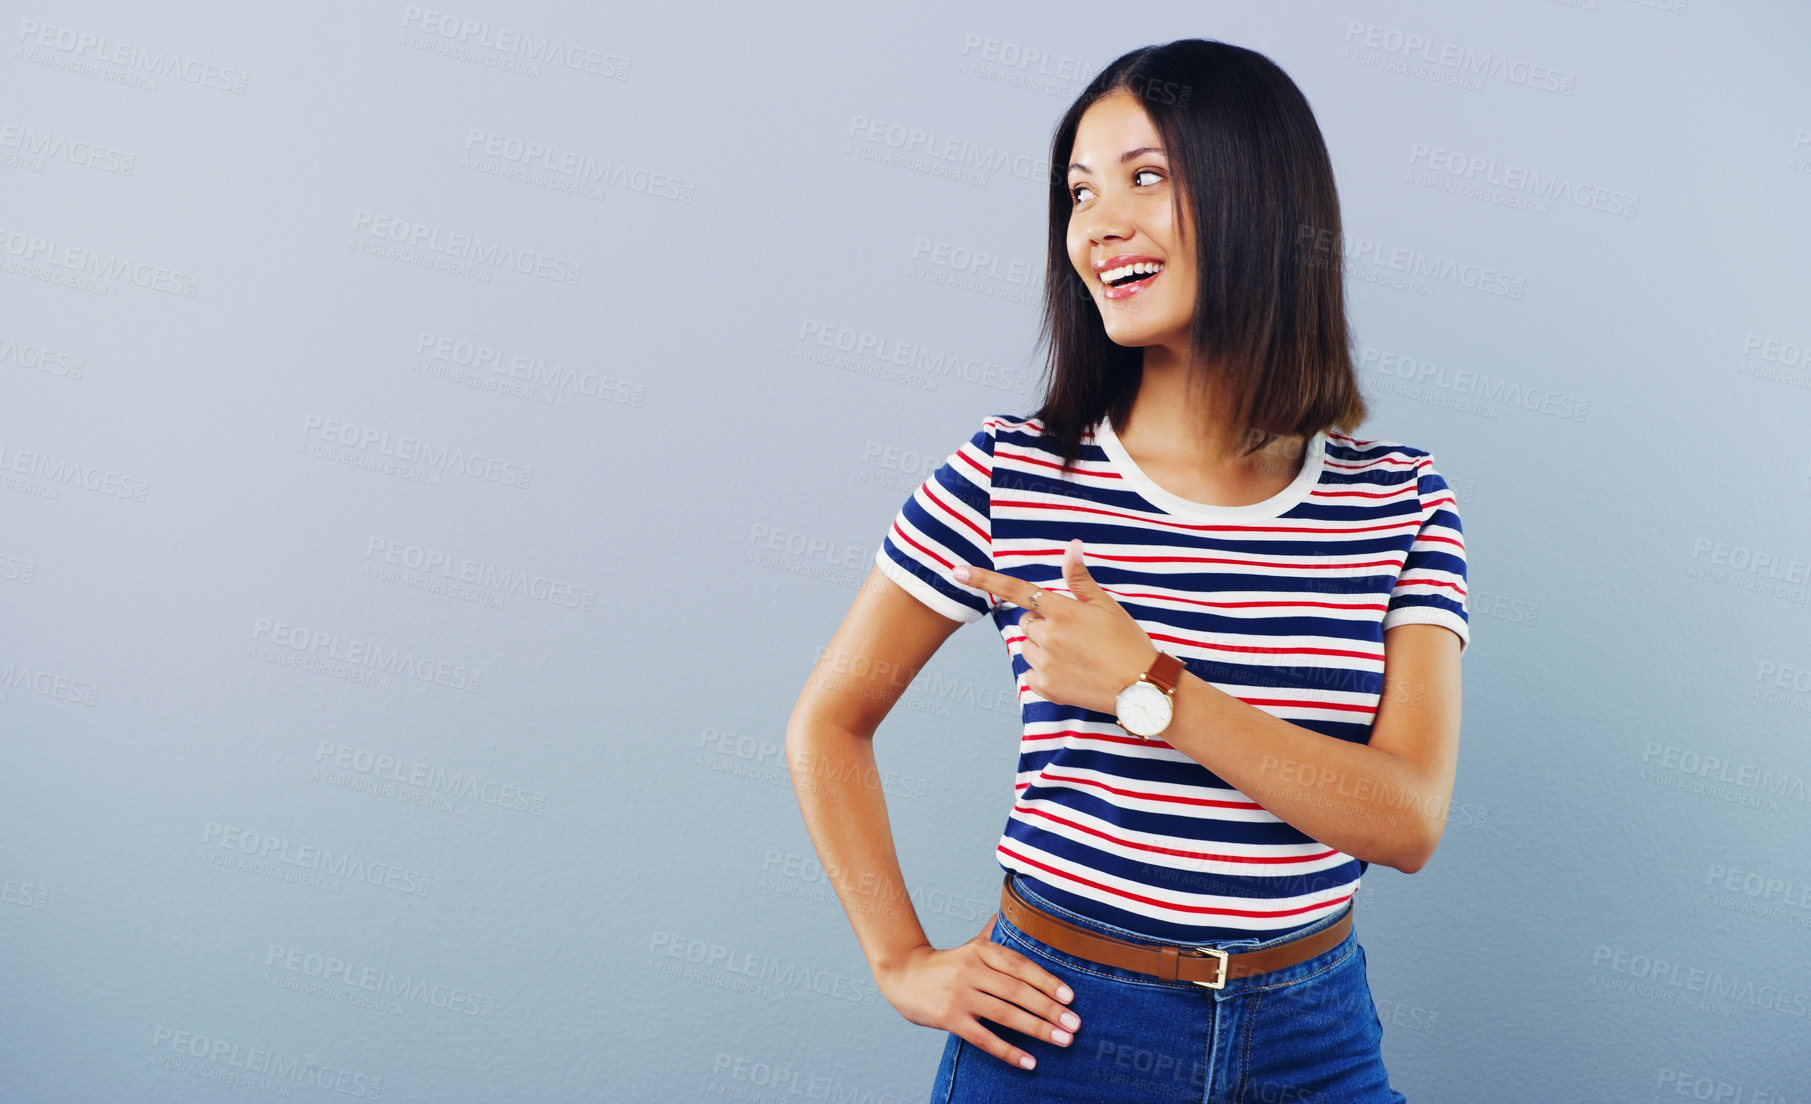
(1248, 158)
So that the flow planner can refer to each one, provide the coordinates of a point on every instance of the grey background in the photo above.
(599, 557)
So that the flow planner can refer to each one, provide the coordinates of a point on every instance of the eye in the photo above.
(1075, 189)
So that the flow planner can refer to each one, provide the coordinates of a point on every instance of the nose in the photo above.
(1106, 219)
(1107, 229)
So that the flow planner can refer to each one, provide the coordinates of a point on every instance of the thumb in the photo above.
(1075, 573)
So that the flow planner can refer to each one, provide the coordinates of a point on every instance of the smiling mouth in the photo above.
(1126, 275)
(1128, 280)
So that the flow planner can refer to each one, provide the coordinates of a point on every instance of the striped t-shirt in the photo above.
(1281, 604)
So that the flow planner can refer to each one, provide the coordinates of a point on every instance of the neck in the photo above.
(1192, 428)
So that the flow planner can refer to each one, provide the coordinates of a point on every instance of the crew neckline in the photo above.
(1313, 461)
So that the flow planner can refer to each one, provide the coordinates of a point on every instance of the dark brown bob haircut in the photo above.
(1247, 157)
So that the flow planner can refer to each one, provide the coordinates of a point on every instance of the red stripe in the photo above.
(930, 492)
(1208, 909)
(986, 473)
(1099, 737)
(901, 534)
(1334, 565)
(1400, 583)
(1255, 603)
(1204, 802)
(1020, 807)
(1292, 703)
(1022, 457)
(1206, 645)
(1252, 649)
(1149, 520)
(1393, 493)
(1361, 465)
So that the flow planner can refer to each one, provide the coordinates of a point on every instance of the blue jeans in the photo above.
(1307, 1032)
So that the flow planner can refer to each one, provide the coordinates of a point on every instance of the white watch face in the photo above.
(1144, 710)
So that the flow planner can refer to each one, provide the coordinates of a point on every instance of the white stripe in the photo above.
(923, 591)
(1328, 900)
(1082, 776)
(1180, 862)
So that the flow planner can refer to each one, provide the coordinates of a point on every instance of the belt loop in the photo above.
(1168, 959)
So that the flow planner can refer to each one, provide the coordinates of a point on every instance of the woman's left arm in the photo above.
(1383, 802)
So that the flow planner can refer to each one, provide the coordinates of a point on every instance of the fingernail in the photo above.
(1028, 1062)
(1060, 1038)
(1064, 994)
(1071, 1020)
(961, 574)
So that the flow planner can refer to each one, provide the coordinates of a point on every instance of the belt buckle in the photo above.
(1212, 952)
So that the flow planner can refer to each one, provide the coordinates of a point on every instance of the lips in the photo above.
(1126, 275)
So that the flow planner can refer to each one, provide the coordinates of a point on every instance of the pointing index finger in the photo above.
(1013, 589)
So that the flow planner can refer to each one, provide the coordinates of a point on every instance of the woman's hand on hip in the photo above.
(952, 989)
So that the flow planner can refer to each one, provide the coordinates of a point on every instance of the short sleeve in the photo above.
(945, 523)
(1431, 587)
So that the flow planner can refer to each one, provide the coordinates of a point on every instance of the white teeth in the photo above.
(1142, 268)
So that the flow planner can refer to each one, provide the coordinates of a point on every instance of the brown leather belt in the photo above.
(1205, 966)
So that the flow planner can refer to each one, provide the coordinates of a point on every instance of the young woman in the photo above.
(1235, 628)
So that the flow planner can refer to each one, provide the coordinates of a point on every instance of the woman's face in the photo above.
(1120, 215)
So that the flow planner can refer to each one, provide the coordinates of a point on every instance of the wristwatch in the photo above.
(1146, 706)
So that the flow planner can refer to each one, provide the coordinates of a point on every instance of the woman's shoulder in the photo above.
(1022, 431)
(1018, 423)
(1374, 452)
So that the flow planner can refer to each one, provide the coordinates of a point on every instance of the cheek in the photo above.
(1078, 259)
(1076, 238)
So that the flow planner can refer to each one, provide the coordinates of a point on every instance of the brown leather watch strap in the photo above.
(1165, 961)
(1166, 672)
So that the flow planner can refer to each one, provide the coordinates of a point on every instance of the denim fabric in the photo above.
(1305, 1033)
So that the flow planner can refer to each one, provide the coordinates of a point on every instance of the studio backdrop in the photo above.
(436, 444)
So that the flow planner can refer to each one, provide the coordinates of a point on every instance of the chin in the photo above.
(1130, 337)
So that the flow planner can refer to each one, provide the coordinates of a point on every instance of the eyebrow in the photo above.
(1123, 158)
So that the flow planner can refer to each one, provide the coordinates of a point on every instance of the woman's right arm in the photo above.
(884, 640)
